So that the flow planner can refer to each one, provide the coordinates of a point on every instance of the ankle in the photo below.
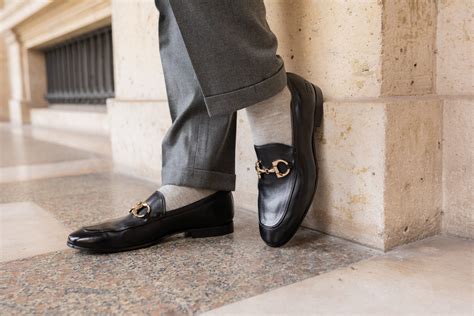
(270, 119)
(178, 196)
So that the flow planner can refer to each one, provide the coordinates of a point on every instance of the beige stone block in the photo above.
(413, 155)
(79, 118)
(350, 149)
(335, 44)
(136, 130)
(137, 65)
(380, 163)
(455, 47)
(408, 55)
(458, 167)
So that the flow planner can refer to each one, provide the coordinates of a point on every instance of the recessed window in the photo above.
(80, 70)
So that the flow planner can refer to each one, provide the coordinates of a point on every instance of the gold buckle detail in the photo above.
(274, 169)
(134, 210)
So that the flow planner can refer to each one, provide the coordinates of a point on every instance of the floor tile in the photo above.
(18, 150)
(431, 277)
(27, 230)
(51, 170)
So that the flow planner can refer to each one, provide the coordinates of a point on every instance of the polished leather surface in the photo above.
(211, 216)
(284, 202)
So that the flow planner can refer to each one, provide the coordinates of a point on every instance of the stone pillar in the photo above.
(34, 74)
(4, 82)
(455, 85)
(18, 106)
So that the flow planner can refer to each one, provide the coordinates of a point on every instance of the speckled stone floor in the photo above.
(179, 276)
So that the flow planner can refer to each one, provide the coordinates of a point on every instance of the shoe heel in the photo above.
(210, 231)
(318, 112)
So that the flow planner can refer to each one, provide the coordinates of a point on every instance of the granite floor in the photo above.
(179, 276)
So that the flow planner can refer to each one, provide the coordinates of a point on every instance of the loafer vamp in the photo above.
(274, 192)
(115, 225)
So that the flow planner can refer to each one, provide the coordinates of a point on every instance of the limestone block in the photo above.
(408, 55)
(458, 167)
(335, 44)
(136, 130)
(455, 47)
(80, 118)
(137, 65)
(412, 170)
(380, 177)
(350, 149)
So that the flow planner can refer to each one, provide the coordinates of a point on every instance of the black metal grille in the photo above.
(80, 70)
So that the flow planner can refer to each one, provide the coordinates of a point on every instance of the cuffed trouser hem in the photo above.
(230, 102)
(197, 178)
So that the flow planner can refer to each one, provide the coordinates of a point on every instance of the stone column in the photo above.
(455, 86)
(18, 106)
(4, 82)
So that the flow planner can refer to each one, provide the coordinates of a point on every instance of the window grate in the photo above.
(80, 70)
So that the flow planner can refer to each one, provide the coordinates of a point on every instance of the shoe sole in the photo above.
(214, 231)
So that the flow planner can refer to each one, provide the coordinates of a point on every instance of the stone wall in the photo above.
(455, 85)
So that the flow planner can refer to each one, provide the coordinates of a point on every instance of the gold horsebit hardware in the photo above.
(134, 210)
(274, 169)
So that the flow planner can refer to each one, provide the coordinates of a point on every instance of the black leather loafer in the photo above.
(148, 223)
(288, 174)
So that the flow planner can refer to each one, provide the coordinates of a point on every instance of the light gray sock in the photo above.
(179, 196)
(270, 120)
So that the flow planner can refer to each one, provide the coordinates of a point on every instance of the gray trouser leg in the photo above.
(218, 56)
(198, 150)
(232, 50)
